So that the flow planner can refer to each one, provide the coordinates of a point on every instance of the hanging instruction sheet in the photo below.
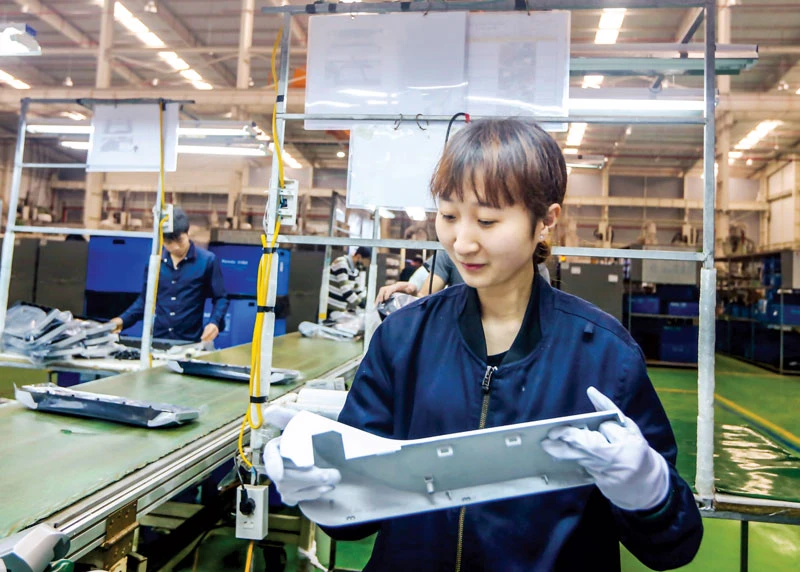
(126, 138)
(392, 167)
(518, 64)
(385, 64)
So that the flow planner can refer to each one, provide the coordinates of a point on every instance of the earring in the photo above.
(541, 237)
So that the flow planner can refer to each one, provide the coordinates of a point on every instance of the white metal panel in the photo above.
(781, 222)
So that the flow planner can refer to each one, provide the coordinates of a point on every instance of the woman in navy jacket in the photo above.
(506, 348)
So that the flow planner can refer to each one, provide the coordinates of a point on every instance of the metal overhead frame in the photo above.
(744, 55)
(12, 229)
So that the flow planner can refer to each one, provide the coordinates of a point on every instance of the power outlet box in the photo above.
(254, 525)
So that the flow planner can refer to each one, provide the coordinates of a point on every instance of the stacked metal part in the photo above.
(47, 334)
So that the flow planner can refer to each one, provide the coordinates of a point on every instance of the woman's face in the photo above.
(490, 246)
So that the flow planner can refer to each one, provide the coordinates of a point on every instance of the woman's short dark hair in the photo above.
(505, 162)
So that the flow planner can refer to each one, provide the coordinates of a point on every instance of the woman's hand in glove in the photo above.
(295, 484)
(630, 473)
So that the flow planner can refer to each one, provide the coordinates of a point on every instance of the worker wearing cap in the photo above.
(188, 276)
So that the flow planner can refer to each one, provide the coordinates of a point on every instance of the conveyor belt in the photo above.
(52, 461)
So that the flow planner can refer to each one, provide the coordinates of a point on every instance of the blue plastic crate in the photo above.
(645, 304)
(683, 308)
(679, 353)
(679, 335)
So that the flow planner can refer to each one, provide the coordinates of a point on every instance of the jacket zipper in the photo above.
(486, 385)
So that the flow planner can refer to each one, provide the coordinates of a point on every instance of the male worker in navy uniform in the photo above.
(188, 276)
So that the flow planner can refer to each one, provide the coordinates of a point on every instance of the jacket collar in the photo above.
(530, 332)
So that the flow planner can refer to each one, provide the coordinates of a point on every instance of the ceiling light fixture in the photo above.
(340, 154)
(288, 160)
(9, 79)
(18, 40)
(190, 149)
(134, 25)
(74, 115)
(575, 134)
(761, 130)
(385, 213)
(610, 24)
(592, 81)
(416, 213)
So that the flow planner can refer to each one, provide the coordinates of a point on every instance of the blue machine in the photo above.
(239, 264)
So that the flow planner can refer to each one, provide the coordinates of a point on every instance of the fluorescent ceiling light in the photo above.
(79, 145)
(74, 115)
(65, 129)
(232, 151)
(592, 81)
(761, 130)
(151, 40)
(385, 213)
(575, 134)
(610, 24)
(9, 79)
(416, 213)
(18, 40)
(189, 149)
(340, 154)
(735, 154)
(288, 160)
(570, 151)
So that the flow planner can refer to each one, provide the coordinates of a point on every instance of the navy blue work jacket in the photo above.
(182, 293)
(420, 378)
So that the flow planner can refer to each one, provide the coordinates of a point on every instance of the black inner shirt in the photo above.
(530, 332)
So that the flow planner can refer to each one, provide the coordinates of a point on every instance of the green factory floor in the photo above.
(758, 441)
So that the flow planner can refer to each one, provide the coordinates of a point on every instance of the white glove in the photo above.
(626, 469)
(295, 484)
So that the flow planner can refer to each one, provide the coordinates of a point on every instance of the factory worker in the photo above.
(187, 277)
(506, 348)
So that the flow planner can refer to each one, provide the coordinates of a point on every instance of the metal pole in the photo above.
(245, 42)
(9, 238)
(744, 546)
(704, 479)
(372, 279)
(271, 215)
(152, 271)
(322, 313)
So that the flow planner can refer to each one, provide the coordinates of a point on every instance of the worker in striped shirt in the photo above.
(345, 291)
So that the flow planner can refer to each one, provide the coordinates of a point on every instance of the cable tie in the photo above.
(265, 308)
(258, 399)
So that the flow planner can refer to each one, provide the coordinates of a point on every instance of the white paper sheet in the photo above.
(392, 168)
(126, 138)
(518, 64)
(385, 64)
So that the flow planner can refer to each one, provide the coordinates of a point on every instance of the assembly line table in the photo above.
(74, 472)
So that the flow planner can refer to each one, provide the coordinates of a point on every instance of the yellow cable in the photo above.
(249, 562)
(264, 270)
(161, 222)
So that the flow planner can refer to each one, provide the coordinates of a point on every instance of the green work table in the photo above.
(52, 462)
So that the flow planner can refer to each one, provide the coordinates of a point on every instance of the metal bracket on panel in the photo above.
(120, 528)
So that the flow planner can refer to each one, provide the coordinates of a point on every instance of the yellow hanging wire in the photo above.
(264, 270)
(161, 221)
(249, 562)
